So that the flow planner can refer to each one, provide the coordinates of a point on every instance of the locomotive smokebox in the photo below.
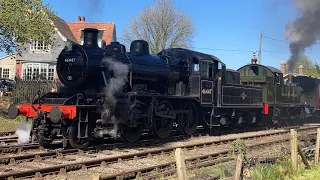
(90, 37)
(139, 47)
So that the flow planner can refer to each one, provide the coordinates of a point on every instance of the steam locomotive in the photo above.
(110, 92)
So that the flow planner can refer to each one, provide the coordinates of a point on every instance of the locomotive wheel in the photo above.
(131, 134)
(189, 122)
(163, 126)
(74, 141)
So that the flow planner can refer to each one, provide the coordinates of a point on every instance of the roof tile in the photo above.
(72, 30)
(108, 28)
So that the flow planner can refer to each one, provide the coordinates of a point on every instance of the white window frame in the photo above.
(5, 73)
(37, 69)
(36, 46)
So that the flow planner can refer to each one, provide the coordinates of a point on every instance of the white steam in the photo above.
(23, 132)
(114, 86)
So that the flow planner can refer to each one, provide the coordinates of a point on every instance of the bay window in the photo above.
(31, 71)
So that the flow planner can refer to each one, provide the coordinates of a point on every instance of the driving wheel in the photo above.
(83, 141)
(163, 125)
(189, 121)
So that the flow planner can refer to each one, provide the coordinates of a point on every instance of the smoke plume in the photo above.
(23, 132)
(94, 9)
(114, 86)
(304, 31)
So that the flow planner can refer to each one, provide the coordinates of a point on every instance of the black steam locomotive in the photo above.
(110, 92)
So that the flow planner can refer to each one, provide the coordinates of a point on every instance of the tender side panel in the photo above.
(241, 95)
(288, 94)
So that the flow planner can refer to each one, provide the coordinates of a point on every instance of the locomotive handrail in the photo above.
(32, 105)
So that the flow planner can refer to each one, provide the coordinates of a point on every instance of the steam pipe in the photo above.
(104, 76)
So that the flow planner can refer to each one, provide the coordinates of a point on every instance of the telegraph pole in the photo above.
(259, 58)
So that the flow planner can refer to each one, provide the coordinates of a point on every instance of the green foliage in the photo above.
(305, 62)
(239, 148)
(280, 170)
(310, 69)
(217, 170)
(22, 21)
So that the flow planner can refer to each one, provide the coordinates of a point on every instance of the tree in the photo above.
(162, 26)
(22, 21)
(310, 69)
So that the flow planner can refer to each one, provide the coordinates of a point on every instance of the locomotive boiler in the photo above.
(109, 92)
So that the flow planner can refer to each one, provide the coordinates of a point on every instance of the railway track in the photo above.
(68, 160)
(9, 144)
(7, 133)
(12, 153)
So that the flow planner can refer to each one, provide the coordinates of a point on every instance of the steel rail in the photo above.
(7, 133)
(94, 163)
(60, 153)
(210, 159)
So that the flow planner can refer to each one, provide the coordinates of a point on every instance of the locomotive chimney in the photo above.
(90, 37)
(254, 59)
(300, 69)
(283, 67)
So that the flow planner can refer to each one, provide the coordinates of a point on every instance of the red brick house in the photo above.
(38, 58)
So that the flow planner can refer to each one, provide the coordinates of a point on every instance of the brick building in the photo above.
(38, 58)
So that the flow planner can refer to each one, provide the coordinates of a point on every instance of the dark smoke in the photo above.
(304, 31)
(94, 9)
(115, 85)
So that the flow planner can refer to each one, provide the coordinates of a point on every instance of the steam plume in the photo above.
(304, 31)
(23, 132)
(115, 85)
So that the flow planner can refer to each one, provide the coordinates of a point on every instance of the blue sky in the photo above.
(219, 24)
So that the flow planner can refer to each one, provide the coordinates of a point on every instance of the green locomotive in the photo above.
(282, 101)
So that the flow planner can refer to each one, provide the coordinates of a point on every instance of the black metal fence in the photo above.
(24, 90)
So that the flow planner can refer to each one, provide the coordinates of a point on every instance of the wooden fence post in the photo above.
(181, 166)
(294, 149)
(303, 157)
(239, 169)
(316, 155)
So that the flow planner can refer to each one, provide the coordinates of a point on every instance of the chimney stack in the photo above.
(83, 19)
(254, 59)
(300, 69)
(90, 37)
(79, 18)
(283, 67)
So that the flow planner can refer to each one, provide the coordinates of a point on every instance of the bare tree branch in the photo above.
(162, 26)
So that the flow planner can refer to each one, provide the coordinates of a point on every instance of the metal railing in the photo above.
(24, 90)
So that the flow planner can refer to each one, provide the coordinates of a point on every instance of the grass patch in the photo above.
(278, 171)
(217, 170)
(7, 124)
(283, 171)
(307, 174)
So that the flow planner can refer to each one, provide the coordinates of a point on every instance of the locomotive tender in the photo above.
(107, 88)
